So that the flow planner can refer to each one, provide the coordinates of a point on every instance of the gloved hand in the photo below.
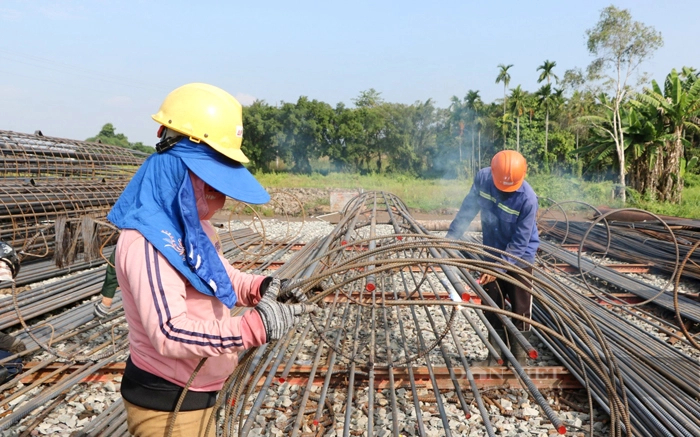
(290, 290)
(277, 317)
(11, 344)
(101, 311)
(18, 346)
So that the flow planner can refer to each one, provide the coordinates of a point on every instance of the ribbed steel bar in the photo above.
(632, 242)
(26, 155)
(349, 262)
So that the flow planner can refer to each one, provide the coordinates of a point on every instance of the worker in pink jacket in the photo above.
(177, 288)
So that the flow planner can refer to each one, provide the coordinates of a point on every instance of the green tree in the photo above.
(679, 109)
(108, 135)
(306, 131)
(619, 45)
(547, 74)
(457, 122)
(547, 101)
(578, 105)
(372, 116)
(422, 132)
(484, 124)
(261, 127)
(504, 76)
(517, 108)
(643, 138)
(473, 106)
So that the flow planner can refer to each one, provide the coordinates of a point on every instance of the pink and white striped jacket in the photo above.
(172, 325)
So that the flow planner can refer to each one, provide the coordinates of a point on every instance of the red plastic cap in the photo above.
(315, 422)
(343, 243)
(370, 287)
(561, 430)
(466, 297)
(399, 238)
(533, 354)
(500, 361)
(282, 380)
(468, 415)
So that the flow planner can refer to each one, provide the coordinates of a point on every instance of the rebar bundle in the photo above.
(38, 156)
(374, 299)
(632, 242)
(48, 218)
(389, 346)
(54, 191)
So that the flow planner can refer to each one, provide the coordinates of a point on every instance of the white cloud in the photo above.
(245, 99)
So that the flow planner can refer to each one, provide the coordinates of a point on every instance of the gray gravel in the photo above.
(523, 416)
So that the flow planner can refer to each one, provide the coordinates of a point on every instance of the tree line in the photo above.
(606, 121)
(594, 122)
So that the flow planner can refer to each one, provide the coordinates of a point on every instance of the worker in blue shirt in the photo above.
(508, 208)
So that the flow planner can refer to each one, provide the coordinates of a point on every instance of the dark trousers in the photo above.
(519, 297)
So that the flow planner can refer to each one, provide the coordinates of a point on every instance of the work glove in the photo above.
(291, 291)
(11, 344)
(277, 317)
(18, 346)
(101, 310)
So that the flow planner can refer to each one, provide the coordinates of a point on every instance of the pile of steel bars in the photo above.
(35, 218)
(54, 191)
(38, 156)
(660, 381)
(634, 242)
(82, 357)
(384, 317)
(387, 352)
(687, 307)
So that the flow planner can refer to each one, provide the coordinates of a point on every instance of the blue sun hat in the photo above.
(160, 203)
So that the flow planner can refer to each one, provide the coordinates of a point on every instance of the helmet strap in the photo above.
(168, 139)
(166, 143)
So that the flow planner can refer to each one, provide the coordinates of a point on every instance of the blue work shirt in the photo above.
(508, 220)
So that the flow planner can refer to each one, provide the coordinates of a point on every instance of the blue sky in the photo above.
(67, 66)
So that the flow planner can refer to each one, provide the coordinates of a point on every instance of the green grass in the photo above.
(434, 195)
(422, 195)
(690, 201)
(447, 195)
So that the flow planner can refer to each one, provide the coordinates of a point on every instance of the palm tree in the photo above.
(546, 100)
(457, 119)
(547, 73)
(473, 104)
(483, 122)
(517, 107)
(504, 76)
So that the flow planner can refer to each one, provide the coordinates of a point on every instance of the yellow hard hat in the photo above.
(205, 113)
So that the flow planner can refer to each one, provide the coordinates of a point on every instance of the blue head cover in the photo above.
(160, 203)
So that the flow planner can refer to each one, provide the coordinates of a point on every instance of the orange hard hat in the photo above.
(508, 169)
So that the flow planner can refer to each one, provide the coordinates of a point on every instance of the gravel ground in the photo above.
(512, 412)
